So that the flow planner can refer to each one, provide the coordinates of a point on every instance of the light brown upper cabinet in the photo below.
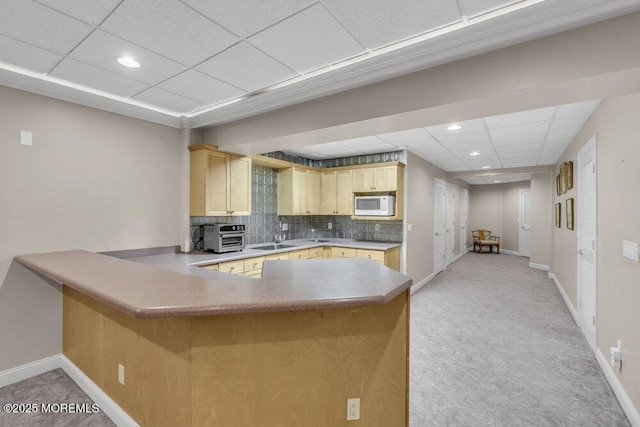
(382, 178)
(220, 183)
(336, 195)
(298, 192)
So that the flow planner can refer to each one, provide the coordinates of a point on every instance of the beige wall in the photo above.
(420, 183)
(542, 217)
(497, 208)
(618, 285)
(92, 180)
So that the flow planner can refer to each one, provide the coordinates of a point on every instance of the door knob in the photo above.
(579, 252)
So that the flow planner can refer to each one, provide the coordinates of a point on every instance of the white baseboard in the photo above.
(627, 405)
(106, 404)
(566, 299)
(28, 370)
(416, 286)
(539, 266)
(508, 252)
(95, 393)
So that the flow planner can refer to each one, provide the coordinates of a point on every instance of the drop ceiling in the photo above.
(485, 145)
(206, 62)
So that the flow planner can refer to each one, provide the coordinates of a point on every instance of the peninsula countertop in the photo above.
(173, 285)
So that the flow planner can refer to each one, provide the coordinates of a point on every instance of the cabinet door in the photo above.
(328, 193)
(216, 184)
(337, 252)
(300, 254)
(343, 193)
(299, 192)
(386, 178)
(377, 256)
(363, 180)
(232, 267)
(313, 192)
(240, 185)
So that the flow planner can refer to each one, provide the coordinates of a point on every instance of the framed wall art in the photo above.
(568, 175)
(558, 215)
(563, 178)
(569, 208)
(558, 190)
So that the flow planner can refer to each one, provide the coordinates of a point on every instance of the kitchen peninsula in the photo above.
(203, 347)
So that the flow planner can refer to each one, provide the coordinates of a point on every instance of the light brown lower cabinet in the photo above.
(246, 369)
(252, 267)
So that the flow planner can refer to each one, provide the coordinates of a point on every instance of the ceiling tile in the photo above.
(477, 7)
(520, 118)
(569, 122)
(458, 167)
(518, 148)
(519, 140)
(467, 126)
(473, 180)
(168, 100)
(513, 163)
(169, 28)
(246, 67)
(40, 26)
(442, 157)
(405, 135)
(200, 87)
(247, 17)
(319, 40)
(562, 134)
(477, 136)
(548, 159)
(363, 142)
(434, 149)
(586, 107)
(519, 130)
(558, 142)
(91, 12)
(417, 143)
(87, 75)
(100, 49)
(483, 147)
(376, 23)
(520, 155)
(27, 56)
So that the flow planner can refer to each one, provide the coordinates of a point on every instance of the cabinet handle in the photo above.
(232, 268)
(369, 256)
(342, 253)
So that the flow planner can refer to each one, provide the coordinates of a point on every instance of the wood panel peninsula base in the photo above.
(293, 368)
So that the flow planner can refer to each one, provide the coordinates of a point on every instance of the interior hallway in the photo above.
(492, 343)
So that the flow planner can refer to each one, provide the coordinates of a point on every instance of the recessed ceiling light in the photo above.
(474, 153)
(486, 167)
(496, 182)
(454, 126)
(128, 61)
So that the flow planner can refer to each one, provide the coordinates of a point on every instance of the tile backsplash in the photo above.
(264, 221)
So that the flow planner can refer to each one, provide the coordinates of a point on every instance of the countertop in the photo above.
(173, 285)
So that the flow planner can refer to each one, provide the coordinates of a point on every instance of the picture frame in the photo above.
(569, 209)
(568, 175)
(563, 180)
(558, 190)
(558, 215)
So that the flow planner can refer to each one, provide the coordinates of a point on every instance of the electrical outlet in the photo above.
(353, 409)
(377, 227)
(285, 226)
(409, 227)
(121, 374)
(329, 226)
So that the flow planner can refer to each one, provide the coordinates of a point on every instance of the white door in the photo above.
(464, 218)
(439, 227)
(525, 223)
(586, 229)
(450, 194)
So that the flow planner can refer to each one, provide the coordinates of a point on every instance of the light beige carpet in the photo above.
(493, 344)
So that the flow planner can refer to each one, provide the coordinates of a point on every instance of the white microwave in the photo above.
(375, 205)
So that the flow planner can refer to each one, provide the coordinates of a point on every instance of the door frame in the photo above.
(521, 227)
(591, 144)
(464, 221)
(444, 228)
(450, 198)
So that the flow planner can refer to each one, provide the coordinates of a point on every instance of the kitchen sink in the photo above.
(272, 247)
(319, 240)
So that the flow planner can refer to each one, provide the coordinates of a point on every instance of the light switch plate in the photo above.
(26, 137)
(630, 250)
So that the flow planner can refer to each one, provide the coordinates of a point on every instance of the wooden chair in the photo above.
(484, 238)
